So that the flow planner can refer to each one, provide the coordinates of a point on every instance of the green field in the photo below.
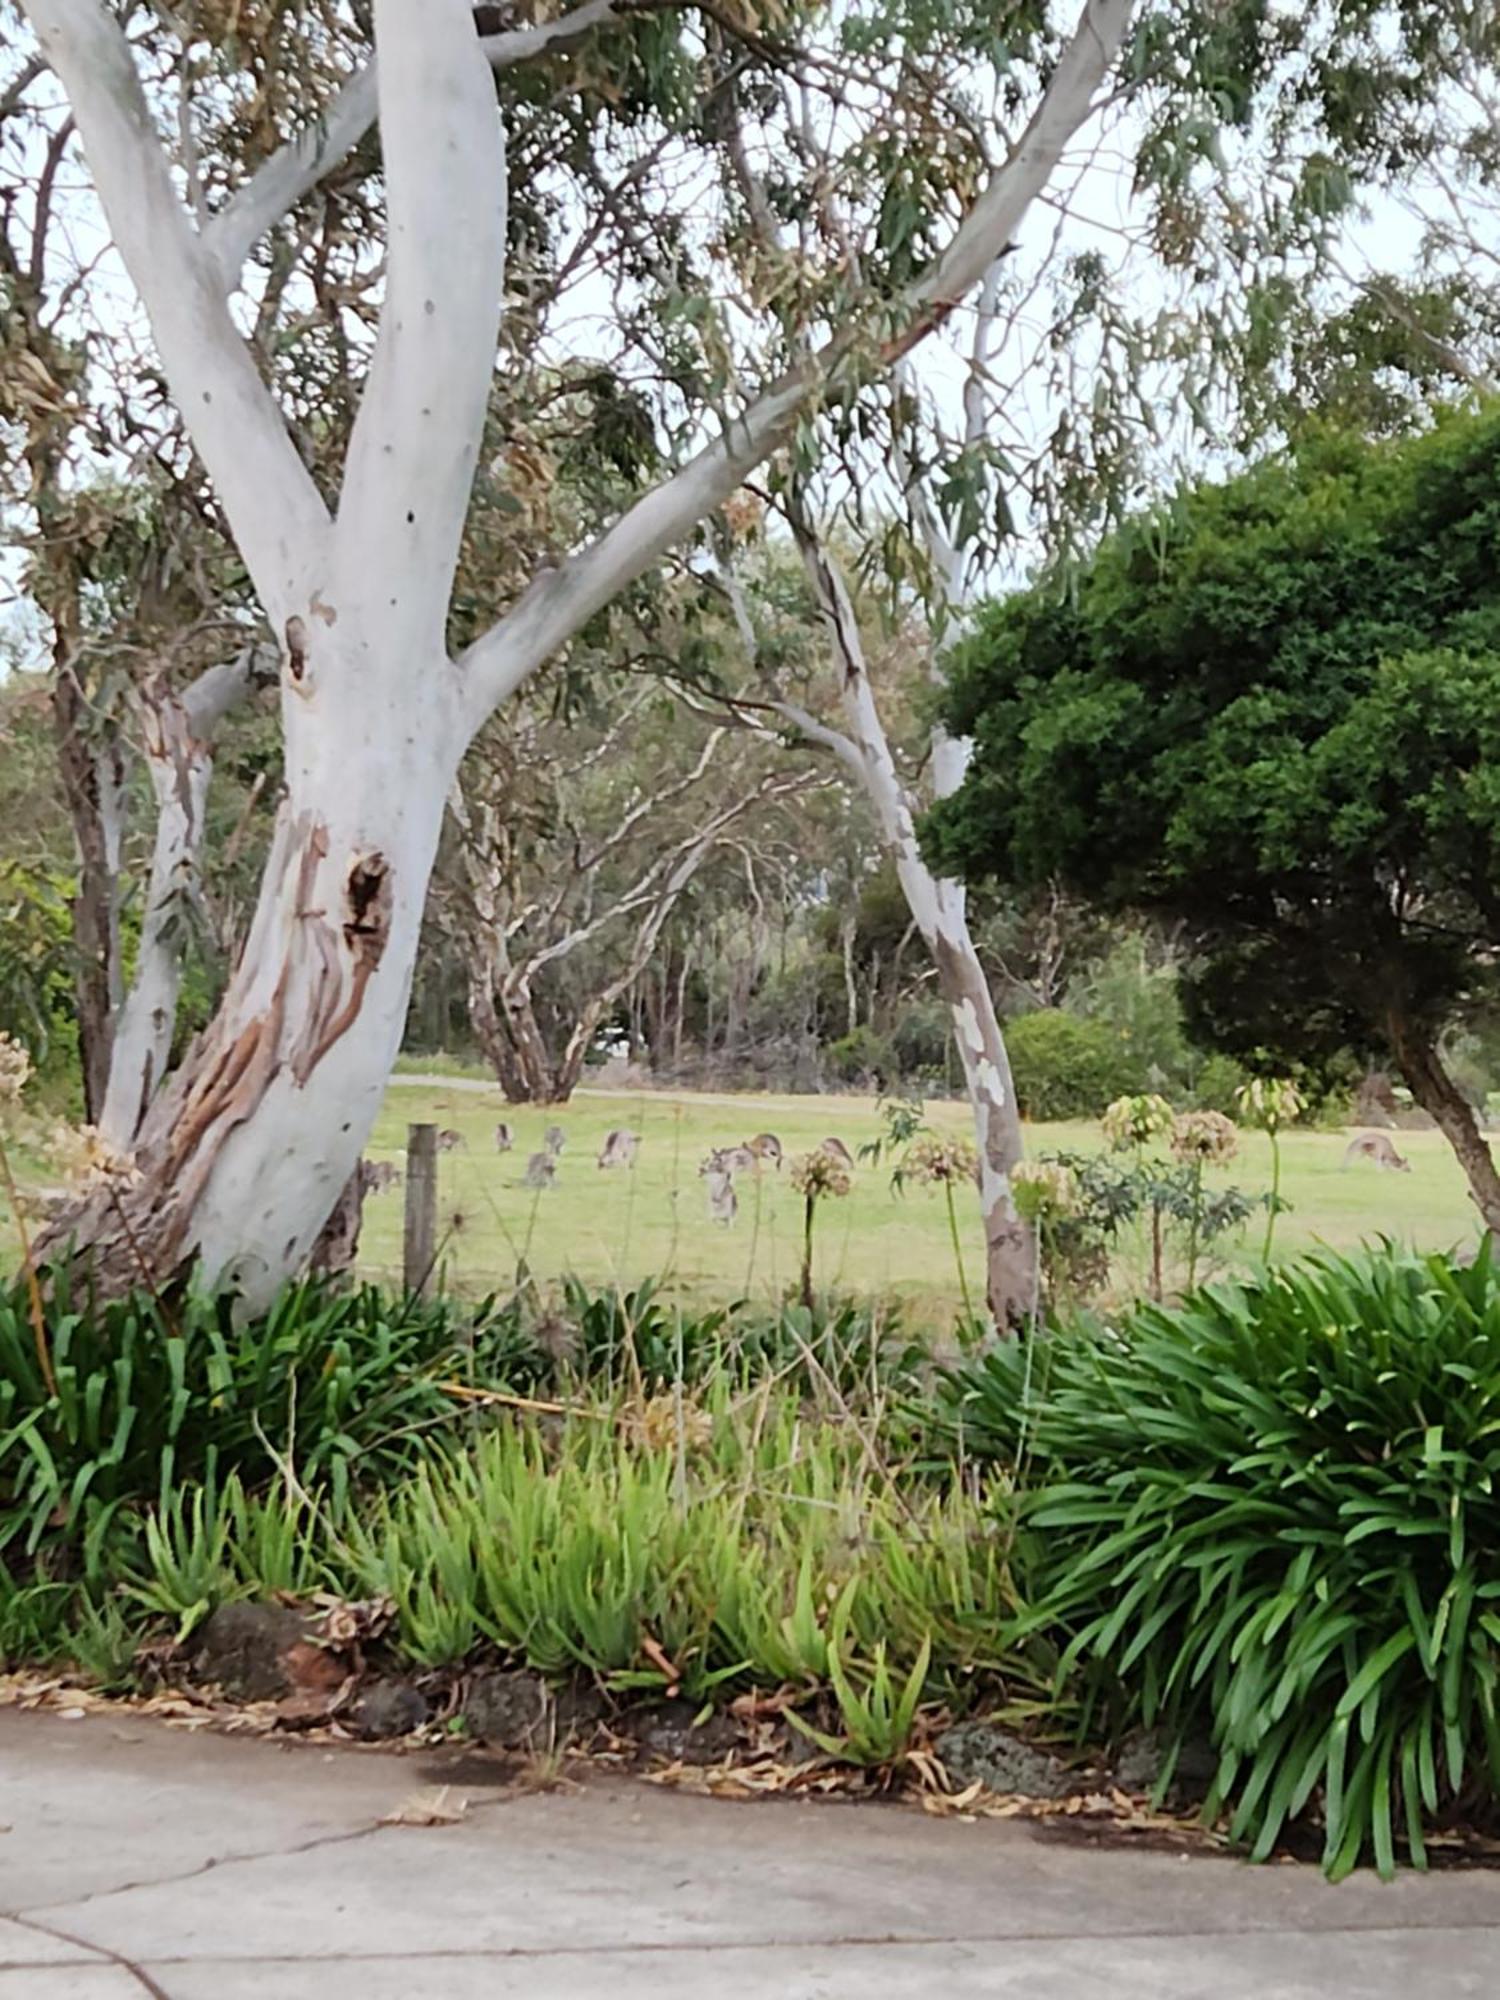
(622, 1226)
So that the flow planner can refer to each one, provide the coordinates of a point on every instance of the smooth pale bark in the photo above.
(243, 1154)
(177, 739)
(938, 909)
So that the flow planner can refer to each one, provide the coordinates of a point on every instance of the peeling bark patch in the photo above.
(988, 1078)
(324, 611)
(296, 647)
(366, 929)
(368, 899)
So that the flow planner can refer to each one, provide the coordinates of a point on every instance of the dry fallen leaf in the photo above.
(439, 1805)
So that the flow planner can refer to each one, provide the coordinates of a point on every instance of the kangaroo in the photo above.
(619, 1149)
(449, 1141)
(730, 1160)
(377, 1175)
(723, 1202)
(837, 1150)
(554, 1139)
(504, 1138)
(766, 1146)
(541, 1169)
(1377, 1147)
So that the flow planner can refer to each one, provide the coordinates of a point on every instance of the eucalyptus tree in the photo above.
(621, 114)
(570, 854)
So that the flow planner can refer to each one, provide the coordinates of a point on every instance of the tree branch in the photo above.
(558, 603)
(280, 183)
(274, 509)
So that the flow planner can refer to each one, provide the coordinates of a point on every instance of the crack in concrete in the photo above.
(218, 1862)
(894, 1941)
(209, 1867)
(96, 1952)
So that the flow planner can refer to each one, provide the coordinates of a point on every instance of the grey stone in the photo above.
(671, 1729)
(388, 1708)
(506, 1709)
(244, 1648)
(983, 1753)
(514, 1710)
(1144, 1754)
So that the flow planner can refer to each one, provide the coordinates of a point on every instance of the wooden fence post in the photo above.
(419, 1247)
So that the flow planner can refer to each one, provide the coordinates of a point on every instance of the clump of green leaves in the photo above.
(1272, 1514)
(746, 1544)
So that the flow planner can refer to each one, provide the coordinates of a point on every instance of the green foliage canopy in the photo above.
(1270, 710)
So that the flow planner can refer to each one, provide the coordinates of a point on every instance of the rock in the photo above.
(388, 1708)
(1143, 1756)
(507, 1709)
(255, 1652)
(671, 1730)
(519, 1711)
(983, 1753)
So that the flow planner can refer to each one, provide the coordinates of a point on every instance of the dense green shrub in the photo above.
(1275, 1514)
(1137, 1001)
(863, 1057)
(1065, 1066)
(337, 1385)
(1219, 1078)
(920, 1038)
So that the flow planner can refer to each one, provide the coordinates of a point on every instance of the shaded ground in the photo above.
(140, 1860)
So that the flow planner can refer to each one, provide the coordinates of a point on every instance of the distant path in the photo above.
(668, 1093)
(139, 1860)
(475, 1083)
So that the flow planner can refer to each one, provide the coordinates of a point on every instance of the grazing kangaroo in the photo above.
(1376, 1146)
(729, 1160)
(620, 1148)
(449, 1141)
(377, 1175)
(766, 1146)
(504, 1138)
(837, 1150)
(541, 1169)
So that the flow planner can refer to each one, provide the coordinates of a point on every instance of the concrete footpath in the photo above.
(136, 1859)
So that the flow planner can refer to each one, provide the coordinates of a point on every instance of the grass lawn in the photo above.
(624, 1226)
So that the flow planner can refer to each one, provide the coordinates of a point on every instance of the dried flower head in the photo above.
(818, 1174)
(15, 1070)
(1205, 1137)
(1270, 1102)
(941, 1162)
(653, 1424)
(82, 1156)
(1136, 1121)
(1044, 1191)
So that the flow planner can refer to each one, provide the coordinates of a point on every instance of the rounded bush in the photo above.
(1065, 1066)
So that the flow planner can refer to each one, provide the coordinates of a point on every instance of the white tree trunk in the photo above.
(938, 908)
(244, 1153)
(177, 739)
